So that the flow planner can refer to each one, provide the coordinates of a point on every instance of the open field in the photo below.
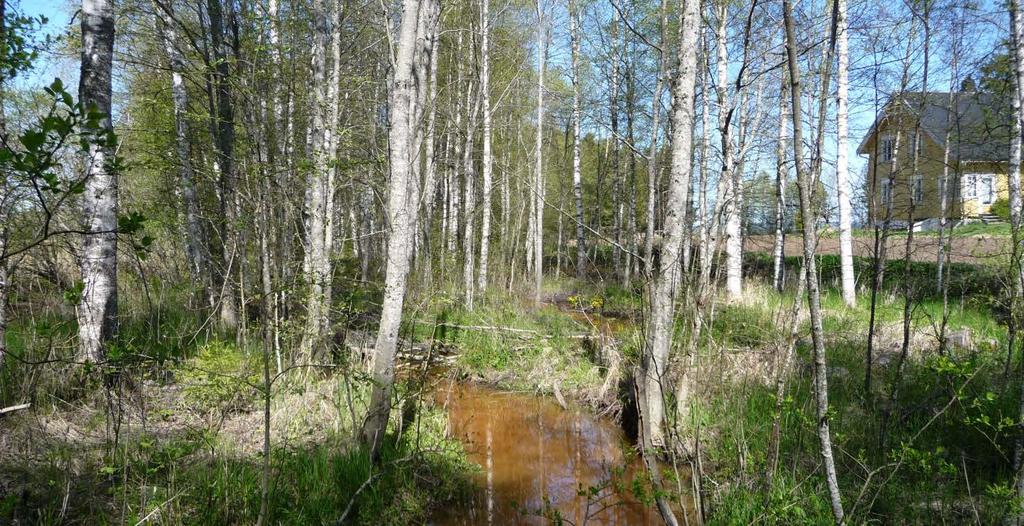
(980, 249)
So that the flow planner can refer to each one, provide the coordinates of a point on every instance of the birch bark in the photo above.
(417, 22)
(842, 164)
(488, 161)
(666, 282)
(97, 313)
(577, 182)
(538, 177)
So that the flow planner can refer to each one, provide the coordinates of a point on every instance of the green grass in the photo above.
(969, 439)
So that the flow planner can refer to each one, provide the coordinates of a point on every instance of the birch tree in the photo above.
(806, 187)
(319, 201)
(577, 177)
(97, 312)
(781, 173)
(730, 178)
(842, 164)
(666, 282)
(538, 173)
(488, 161)
(414, 46)
(196, 246)
(1013, 170)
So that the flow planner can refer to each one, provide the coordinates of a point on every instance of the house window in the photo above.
(970, 185)
(886, 191)
(986, 189)
(888, 147)
(918, 189)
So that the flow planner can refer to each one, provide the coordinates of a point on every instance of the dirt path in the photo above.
(970, 249)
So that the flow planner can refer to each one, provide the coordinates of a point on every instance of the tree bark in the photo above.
(196, 245)
(732, 205)
(538, 175)
(842, 165)
(1017, 56)
(781, 173)
(665, 284)
(224, 144)
(417, 23)
(488, 161)
(813, 294)
(319, 208)
(97, 313)
(577, 182)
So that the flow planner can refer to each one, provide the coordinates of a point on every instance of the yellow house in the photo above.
(966, 149)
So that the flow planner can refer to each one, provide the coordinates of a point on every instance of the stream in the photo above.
(535, 455)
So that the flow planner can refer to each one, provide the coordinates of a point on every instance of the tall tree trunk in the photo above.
(417, 23)
(707, 218)
(469, 200)
(618, 200)
(813, 294)
(577, 182)
(842, 168)
(488, 161)
(1017, 55)
(97, 313)
(732, 205)
(666, 282)
(430, 177)
(538, 174)
(195, 238)
(652, 152)
(224, 144)
(319, 191)
(781, 172)
(664, 285)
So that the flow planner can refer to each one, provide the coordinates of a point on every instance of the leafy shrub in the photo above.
(1001, 207)
(217, 379)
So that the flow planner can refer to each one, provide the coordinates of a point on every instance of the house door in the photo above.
(986, 189)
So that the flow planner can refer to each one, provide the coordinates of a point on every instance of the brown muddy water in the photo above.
(534, 455)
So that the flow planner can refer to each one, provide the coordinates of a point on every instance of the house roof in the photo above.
(979, 126)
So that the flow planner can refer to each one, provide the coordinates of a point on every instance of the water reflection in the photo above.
(535, 455)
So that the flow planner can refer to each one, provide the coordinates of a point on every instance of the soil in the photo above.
(970, 249)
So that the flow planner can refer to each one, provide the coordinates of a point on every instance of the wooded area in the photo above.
(500, 262)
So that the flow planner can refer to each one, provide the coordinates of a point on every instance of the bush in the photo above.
(1001, 207)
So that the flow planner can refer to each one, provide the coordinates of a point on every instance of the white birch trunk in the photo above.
(488, 161)
(469, 203)
(417, 23)
(779, 248)
(732, 205)
(538, 178)
(842, 165)
(666, 282)
(577, 182)
(97, 313)
(195, 241)
(1013, 171)
(318, 192)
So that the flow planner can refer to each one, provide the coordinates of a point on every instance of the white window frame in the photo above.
(971, 186)
(886, 190)
(917, 189)
(888, 147)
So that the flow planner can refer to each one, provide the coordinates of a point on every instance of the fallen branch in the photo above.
(14, 408)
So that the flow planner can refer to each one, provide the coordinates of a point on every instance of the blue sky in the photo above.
(58, 13)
